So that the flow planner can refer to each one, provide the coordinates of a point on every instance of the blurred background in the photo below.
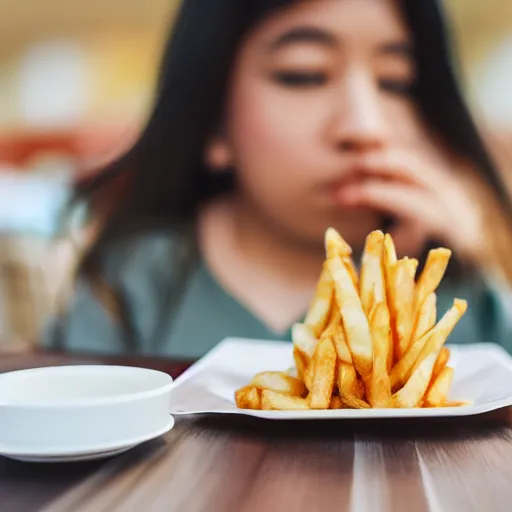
(75, 85)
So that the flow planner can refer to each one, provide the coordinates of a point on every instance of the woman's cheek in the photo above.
(271, 117)
(408, 130)
(268, 150)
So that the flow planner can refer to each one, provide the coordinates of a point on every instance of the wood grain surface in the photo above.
(216, 464)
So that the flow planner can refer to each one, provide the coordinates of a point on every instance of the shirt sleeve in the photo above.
(86, 326)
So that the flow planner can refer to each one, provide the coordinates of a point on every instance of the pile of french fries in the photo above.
(370, 338)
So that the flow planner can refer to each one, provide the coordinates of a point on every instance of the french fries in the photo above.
(371, 285)
(355, 321)
(304, 340)
(279, 382)
(436, 394)
(248, 398)
(274, 401)
(318, 313)
(425, 318)
(322, 379)
(435, 267)
(401, 304)
(415, 387)
(336, 246)
(369, 340)
(379, 388)
(340, 344)
(441, 362)
(348, 383)
(430, 342)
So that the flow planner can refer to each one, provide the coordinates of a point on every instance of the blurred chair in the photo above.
(32, 262)
(37, 173)
(32, 274)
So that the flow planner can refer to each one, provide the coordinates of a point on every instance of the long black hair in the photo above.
(166, 179)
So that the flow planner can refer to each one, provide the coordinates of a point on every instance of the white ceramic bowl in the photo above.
(81, 409)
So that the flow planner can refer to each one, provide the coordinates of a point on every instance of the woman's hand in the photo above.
(427, 201)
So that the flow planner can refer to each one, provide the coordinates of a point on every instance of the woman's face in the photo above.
(316, 89)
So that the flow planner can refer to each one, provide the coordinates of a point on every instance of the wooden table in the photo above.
(223, 465)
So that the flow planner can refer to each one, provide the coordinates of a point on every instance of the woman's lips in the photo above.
(340, 190)
(348, 177)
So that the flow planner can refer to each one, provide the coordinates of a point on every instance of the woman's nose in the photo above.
(357, 121)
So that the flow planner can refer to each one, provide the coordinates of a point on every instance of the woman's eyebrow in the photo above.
(303, 34)
(399, 48)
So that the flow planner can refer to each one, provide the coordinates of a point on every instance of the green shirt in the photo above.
(175, 307)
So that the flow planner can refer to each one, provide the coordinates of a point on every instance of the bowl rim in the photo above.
(80, 449)
(77, 403)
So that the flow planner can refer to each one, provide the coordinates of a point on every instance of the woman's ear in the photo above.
(218, 155)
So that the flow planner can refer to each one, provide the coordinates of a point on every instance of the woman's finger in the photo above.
(404, 202)
(449, 220)
(397, 165)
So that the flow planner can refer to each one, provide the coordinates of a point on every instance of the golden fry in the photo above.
(435, 267)
(336, 403)
(413, 265)
(436, 395)
(334, 323)
(280, 382)
(309, 374)
(441, 362)
(401, 305)
(348, 382)
(355, 322)
(304, 340)
(352, 402)
(329, 332)
(412, 393)
(335, 245)
(324, 363)
(301, 363)
(352, 271)
(371, 283)
(320, 307)
(426, 317)
(248, 398)
(389, 260)
(430, 342)
(458, 403)
(389, 251)
(379, 388)
(272, 400)
(442, 330)
(340, 343)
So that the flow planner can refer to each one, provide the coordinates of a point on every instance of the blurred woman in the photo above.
(275, 119)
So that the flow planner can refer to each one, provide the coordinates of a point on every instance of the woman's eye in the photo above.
(398, 87)
(298, 79)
